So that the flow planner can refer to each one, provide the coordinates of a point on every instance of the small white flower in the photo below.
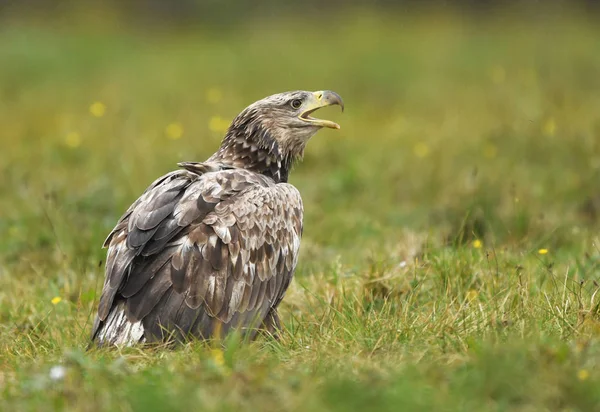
(402, 264)
(57, 372)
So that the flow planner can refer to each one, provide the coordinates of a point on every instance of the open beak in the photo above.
(321, 99)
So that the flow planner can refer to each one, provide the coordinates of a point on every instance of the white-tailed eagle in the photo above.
(213, 247)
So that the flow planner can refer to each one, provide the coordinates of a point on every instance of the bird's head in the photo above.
(276, 129)
(289, 113)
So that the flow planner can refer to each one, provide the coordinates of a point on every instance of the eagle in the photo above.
(211, 248)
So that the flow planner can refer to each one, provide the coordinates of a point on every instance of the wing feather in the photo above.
(143, 270)
(140, 304)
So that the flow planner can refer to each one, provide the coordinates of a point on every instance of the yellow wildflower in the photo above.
(549, 127)
(213, 95)
(543, 251)
(477, 244)
(472, 294)
(421, 150)
(583, 374)
(174, 131)
(218, 358)
(97, 109)
(73, 140)
(56, 300)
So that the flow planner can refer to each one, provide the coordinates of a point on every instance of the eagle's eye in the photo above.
(296, 103)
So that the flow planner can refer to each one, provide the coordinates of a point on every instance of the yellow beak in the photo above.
(318, 100)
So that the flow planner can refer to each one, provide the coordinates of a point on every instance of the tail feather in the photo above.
(171, 319)
(118, 330)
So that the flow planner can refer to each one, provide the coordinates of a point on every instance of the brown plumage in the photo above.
(213, 247)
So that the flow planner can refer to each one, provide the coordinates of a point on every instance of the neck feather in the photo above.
(252, 147)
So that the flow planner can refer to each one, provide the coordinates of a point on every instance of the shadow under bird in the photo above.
(213, 247)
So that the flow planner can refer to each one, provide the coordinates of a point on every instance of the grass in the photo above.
(450, 258)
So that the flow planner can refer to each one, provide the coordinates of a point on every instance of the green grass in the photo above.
(457, 134)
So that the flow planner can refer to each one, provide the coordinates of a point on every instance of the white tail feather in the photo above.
(117, 330)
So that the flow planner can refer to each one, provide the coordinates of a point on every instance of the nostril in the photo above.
(319, 96)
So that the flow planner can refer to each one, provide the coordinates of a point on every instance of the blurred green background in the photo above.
(467, 170)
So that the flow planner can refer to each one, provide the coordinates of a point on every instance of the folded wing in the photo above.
(200, 252)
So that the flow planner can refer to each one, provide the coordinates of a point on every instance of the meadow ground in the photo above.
(450, 258)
